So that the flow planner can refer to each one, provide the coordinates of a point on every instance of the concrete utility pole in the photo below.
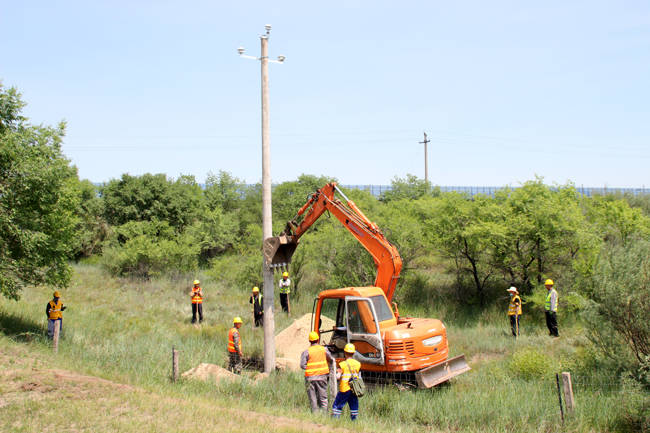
(426, 158)
(268, 299)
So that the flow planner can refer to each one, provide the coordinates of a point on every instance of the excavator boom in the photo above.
(278, 250)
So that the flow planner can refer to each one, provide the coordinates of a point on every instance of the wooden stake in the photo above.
(174, 364)
(57, 331)
(568, 391)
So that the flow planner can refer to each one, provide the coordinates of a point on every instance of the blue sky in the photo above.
(506, 90)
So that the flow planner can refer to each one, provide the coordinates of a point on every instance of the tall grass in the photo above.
(124, 330)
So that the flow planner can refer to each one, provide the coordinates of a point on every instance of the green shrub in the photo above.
(144, 256)
(635, 409)
(530, 363)
(618, 311)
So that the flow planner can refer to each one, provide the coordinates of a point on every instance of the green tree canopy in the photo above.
(410, 187)
(38, 201)
(153, 197)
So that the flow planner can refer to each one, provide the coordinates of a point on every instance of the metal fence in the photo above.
(378, 190)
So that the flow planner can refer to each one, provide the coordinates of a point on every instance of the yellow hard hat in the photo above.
(237, 320)
(285, 274)
(197, 282)
(349, 348)
(256, 289)
(548, 282)
(57, 294)
(313, 336)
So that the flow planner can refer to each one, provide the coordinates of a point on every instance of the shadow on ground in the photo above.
(19, 328)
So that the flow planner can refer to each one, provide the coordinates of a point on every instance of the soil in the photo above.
(205, 371)
(292, 341)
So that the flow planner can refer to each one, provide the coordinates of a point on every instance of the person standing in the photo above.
(285, 290)
(234, 347)
(514, 310)
(347, 368)
(54, 312)
(258, 309)
(550, 308)
(315, 361)
(197, 301)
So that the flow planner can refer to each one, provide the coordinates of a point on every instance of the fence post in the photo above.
(332, 383)
(559, 396)
(55, 339)
(568, 391)
(174, 364)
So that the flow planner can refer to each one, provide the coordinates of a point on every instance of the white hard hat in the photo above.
(512, 289)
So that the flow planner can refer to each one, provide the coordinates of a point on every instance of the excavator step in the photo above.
(439, 373)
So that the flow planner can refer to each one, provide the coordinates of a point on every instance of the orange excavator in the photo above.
(391, 348)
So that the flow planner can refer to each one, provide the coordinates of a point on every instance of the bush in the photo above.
(150, 249)
(529, 363)
(635, 407)
(618, 312)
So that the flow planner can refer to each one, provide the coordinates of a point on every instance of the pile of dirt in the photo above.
(205, 371)
(292, 341)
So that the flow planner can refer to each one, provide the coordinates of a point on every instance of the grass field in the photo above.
(123, 331)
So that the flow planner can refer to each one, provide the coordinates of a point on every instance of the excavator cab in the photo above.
(357, 322)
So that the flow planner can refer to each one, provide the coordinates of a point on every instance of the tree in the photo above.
(224, 191)
(410, 187)
(544, 229)
(92, 228)
(38, 201)
(288, 197)
(153, 197)
(616, 220)
(458, 227)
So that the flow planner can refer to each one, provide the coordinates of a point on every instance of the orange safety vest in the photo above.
(196, 297)
(316, 361)
(514, 308)
(231, 341)
(55, 310)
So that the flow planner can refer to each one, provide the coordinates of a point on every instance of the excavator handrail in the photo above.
(384, 254)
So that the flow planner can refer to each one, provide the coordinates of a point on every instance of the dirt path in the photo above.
(34, 398)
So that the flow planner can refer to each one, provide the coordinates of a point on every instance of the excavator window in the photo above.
(355, 324)
(381, 308)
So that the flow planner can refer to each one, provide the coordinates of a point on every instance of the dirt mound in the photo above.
(205, 371)
(292, 341)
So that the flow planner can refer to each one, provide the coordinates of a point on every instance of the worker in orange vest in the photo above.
(347, 368)
(234, 347)
(54, 312)
(315, 361)
(197, 301)
(514, 310)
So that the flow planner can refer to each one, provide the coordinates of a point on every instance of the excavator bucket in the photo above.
(278, 250)
(439, 373)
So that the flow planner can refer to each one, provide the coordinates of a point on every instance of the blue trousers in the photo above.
(339, 403)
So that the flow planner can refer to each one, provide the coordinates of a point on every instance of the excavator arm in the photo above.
(278, 250)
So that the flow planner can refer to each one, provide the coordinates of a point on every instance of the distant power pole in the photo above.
(426, 159)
